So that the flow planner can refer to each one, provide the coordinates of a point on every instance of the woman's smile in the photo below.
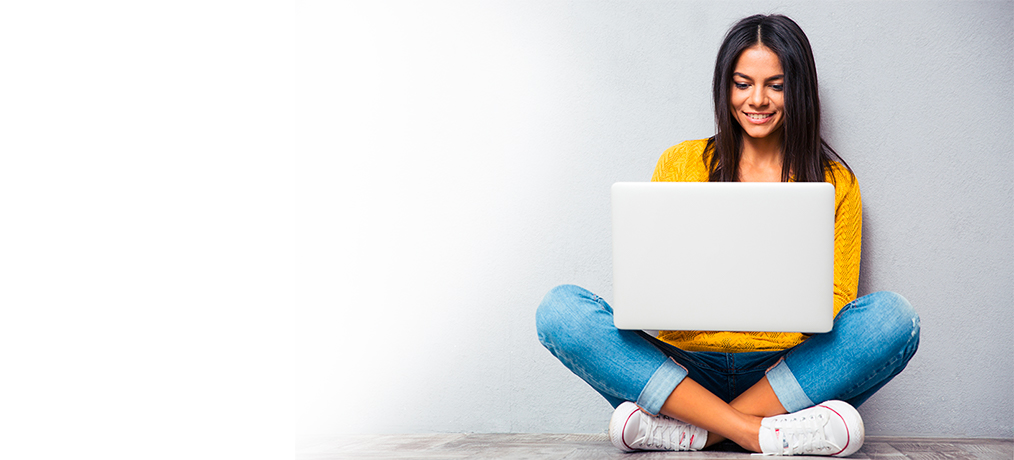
(759, 118)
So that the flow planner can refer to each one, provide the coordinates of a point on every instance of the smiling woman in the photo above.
(773, 392)
(766, 66)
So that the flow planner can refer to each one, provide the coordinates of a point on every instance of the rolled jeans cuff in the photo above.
(787, 388)
(660, 386)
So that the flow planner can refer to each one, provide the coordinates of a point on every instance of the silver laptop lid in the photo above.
(711, 256)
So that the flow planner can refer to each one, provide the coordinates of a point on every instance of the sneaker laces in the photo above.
(665, 433)
(803, 434)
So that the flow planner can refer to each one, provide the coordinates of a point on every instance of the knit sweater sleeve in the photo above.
(848, 238)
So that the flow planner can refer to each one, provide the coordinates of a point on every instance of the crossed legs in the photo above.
(872, 340)
(738, 421)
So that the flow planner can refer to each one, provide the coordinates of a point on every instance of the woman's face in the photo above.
(756, 98)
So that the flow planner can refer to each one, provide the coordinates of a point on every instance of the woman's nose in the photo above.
(757, 96)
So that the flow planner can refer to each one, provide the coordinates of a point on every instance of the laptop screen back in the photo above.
(723, 256)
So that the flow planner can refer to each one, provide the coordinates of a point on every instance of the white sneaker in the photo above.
(831, 428)
(630, 430)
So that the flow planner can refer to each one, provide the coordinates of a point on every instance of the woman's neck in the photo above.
(761, 160)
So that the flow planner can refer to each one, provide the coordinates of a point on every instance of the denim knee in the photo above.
(565, 319)
(897, 321)
(873, 339)
(577, 327)
(560, 309)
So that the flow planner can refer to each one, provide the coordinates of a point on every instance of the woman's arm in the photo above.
(848, 229)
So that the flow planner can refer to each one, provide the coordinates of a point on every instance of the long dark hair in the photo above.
(806, 156)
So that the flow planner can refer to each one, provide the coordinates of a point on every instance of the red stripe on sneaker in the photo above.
(848, 434)
(622, 437)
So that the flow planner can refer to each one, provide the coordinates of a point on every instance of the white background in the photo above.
(146, 214)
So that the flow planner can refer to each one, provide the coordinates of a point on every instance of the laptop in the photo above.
(723, 256)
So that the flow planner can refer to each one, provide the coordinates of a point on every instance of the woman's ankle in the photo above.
(748, 434)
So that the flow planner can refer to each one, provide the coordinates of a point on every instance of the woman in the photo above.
(776, 393)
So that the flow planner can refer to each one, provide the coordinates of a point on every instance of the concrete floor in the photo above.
(597, 446)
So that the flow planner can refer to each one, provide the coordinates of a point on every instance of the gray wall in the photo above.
(454, 162)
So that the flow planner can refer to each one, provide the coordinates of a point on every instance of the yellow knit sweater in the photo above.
(685, 163)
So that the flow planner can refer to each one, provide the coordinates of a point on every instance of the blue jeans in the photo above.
(872, 340)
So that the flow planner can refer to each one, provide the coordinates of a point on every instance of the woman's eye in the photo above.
(777, 87)
(741, 85)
